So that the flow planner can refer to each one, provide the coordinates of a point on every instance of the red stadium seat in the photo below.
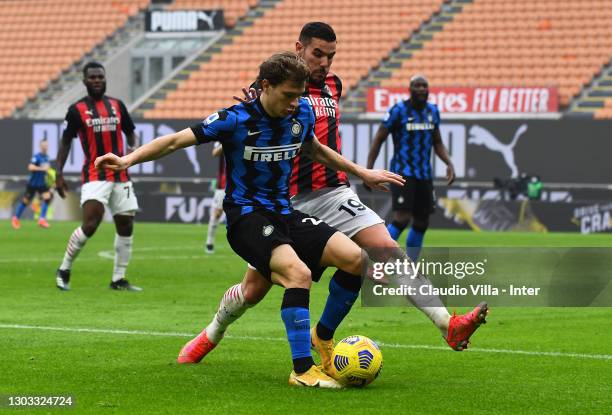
(518, 42)
(40, 38)
(366, 34)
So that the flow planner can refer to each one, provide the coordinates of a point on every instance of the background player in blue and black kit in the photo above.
(260, 140)
(414, 125)
(37, 183)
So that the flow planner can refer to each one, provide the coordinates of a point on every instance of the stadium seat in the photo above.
(40, 38)
(366, 34)
(517, 42)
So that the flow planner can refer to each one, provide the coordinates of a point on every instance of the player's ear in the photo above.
(299, 47)
(265, 85)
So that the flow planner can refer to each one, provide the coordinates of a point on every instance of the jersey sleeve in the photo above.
(309, 120)
(390, 117)
(35, 160)
(339, 86)
(437, 117)
(127, 125)
(72, 121)
(218, 126)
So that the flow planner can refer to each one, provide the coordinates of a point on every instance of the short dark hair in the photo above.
(92, 64)
(283, 66)
(319, 30)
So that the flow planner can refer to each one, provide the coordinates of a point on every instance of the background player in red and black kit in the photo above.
(98, 121)
(216, 209)
(324, 193)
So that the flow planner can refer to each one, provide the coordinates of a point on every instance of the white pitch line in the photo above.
(110, 255)
(279, 339)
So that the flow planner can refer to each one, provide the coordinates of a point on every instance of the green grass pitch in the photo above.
(524, 361)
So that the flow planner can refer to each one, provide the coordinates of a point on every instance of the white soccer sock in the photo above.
(439, 316)
(232, 306)
(75, 244)
(123, 252)
(212, 228)
(430, 305)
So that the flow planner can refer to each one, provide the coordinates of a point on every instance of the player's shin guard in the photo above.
(75, 244)
(343, 291)
(296, 316)
(231, 307)
(123, 253)
(395, 229)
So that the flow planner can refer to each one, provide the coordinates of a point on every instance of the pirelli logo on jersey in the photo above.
(273, 153)
(423, 126)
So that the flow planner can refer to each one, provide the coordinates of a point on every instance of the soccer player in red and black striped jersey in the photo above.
(98, 121)
(216, 209)
(325, 194)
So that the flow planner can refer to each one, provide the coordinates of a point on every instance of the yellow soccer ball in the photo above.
(356, 361)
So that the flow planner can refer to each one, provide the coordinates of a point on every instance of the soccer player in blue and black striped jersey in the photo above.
(260, 139)
(37, 183)
(414, 125)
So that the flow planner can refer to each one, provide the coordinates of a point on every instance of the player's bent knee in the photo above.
(124, 223)
(357, 260)
(382, 240)
(255, 290)
(90, 226)
(420, 224)
(401, 217)
(297, 275)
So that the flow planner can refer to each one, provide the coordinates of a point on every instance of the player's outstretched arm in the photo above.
(329, 158)
(153, 150)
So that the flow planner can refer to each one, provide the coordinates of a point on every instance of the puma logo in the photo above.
(483, 137)
(165, 129)
(209, 19)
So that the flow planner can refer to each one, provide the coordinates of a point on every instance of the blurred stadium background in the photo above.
(525, 91)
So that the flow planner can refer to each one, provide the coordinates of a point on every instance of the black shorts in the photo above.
(415, 196)
(31, 191)
(253, 236)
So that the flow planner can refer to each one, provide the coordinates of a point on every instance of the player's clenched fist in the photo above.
(112, 162)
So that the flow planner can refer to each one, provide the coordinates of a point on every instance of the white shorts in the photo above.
(217, 202)
(119, 197)
(339, 207)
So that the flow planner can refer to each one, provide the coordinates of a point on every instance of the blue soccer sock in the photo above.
(414, 242)
(296, 316)
(43, 209)
(343, 291)
(20, 208)
(395, 229)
